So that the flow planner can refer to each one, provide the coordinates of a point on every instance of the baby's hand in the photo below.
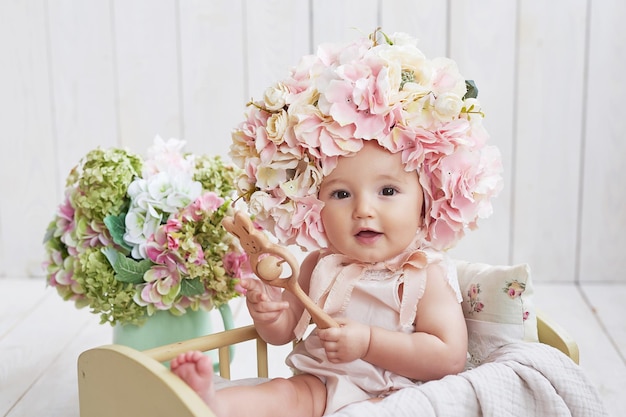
(348, 342)
(264, 301)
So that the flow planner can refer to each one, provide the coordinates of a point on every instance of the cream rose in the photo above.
(276, 126)
(304, 184)
(275, 96)
(261, 203)
(244, 186)
(447, 107)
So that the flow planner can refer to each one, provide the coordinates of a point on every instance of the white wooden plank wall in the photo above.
(75, 75)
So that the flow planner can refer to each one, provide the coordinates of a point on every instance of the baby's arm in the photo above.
(276, 312)
(437, 347)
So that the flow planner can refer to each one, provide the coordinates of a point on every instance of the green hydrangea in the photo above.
(102, 178)
(216, 242)
(105, 295)
(215, 175)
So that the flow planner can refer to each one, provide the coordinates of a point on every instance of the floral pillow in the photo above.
(497, 305)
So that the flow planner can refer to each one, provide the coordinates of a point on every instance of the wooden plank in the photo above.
(547, 159)
(607, 301)
(484, 47)
(598, 358)
(424, 19)
(212, 67)
(83, 80)
(603, 228)
(30, 348)
(55, 393)
(146, 45)
(277, 35)
(17, 298)
(343, 20)
(244, 363)
(27, 164)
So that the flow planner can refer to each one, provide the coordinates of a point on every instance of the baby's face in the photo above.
(372, 206)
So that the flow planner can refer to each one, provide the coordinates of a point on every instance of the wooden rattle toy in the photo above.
(269, 268)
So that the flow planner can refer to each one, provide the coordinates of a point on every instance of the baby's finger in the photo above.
(328, 335)
(254, 297)
(271, 306)
(250, 283)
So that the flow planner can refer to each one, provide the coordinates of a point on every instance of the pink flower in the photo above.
(195, 254)
(346, 101)
(237, 264)
(150, 295)
(446, 77)
(307, 220)
(162, 247)
(166, 157)
(173, 225)
(473, 291)
(65, 216)
(456, 180)
(514, 289)
(323, 138)
(206, 203)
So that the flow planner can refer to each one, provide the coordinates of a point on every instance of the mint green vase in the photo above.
(163, 328)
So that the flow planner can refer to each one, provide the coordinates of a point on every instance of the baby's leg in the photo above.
(301, 395)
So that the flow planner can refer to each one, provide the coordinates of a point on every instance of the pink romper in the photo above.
(367, 293)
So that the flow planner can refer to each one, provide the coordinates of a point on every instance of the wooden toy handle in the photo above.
(269, 267)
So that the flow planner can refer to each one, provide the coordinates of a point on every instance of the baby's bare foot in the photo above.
(196, 370)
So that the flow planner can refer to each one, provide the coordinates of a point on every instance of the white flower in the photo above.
(303, 184)
(169, 188)
(419, 111)
(140, 224)
(401, 39)
(268, 177)
(261, 202)
(242, 148)
(275, 96)
(167, 157)
(276, 127)
(446, 77)
(244, 185)
(447, 107)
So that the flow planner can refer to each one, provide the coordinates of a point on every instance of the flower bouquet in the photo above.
(135, 236)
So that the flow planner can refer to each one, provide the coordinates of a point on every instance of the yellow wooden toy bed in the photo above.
(120, 381)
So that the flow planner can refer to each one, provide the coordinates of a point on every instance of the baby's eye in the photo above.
(388, 191)
(340, 194)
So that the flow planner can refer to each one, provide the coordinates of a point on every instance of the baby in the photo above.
(374, 159)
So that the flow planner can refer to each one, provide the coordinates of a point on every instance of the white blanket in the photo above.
(521, 379)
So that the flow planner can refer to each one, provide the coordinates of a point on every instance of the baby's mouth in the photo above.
(367, 234)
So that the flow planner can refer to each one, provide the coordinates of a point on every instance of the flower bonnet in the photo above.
(378, 88)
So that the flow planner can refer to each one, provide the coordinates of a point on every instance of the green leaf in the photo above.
(472, 90)
(191, 287)
(117, 227)
(126, 269)
(49, 233)
(130, 270)
(111, 255)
